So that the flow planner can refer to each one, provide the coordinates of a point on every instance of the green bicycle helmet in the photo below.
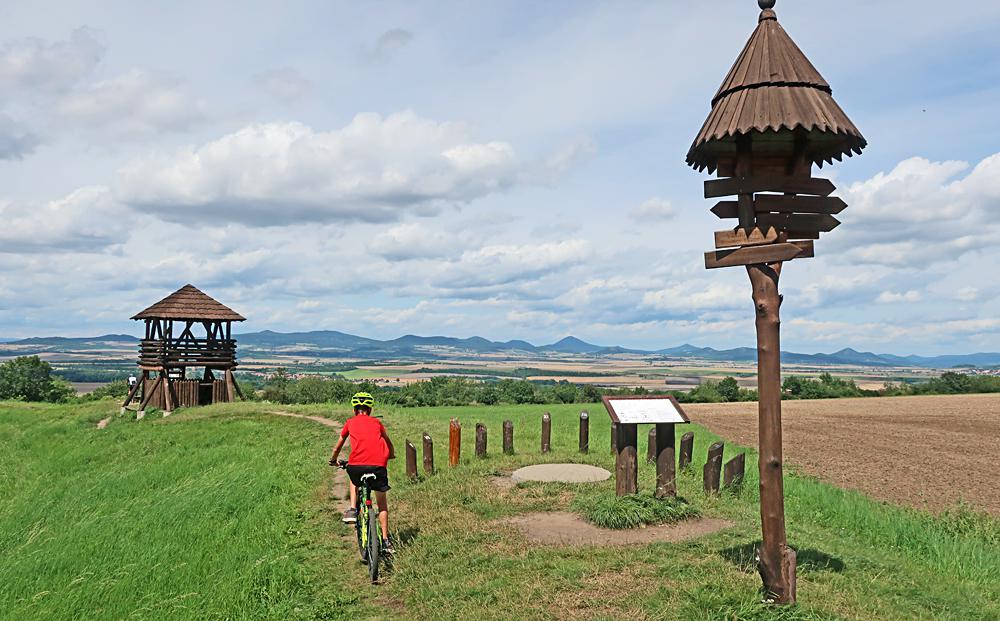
(362, 399)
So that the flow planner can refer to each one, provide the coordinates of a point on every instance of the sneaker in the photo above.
(350, 516)
(387, 547)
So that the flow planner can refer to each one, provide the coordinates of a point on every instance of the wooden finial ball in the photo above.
(766, 4)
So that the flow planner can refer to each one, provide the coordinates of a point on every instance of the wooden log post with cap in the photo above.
(454, 442)
(508, 437)
(772, 119)
(584, 431)
(546, 432)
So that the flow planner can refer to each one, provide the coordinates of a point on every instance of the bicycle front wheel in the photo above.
(374, 545)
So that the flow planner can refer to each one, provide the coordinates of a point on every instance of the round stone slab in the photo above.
(561, 473)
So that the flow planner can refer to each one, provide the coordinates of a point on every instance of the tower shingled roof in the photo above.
(771, 87)
(189, 302)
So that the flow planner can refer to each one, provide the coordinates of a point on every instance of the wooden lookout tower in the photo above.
(772, 120)
(170, 348)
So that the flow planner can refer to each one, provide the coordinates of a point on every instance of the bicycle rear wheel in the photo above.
(374, 545)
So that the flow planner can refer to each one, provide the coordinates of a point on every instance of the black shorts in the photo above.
(381, 482)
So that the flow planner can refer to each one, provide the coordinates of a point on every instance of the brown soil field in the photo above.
(925, 452)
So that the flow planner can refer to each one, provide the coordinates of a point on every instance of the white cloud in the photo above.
(697, 296)
(921, 212)
(892, 297)
(653, 209)
(35, 65)
(136, 104)
(495, 265)
(86, 221)
(413, 241)
(373, 169)
(284, 84)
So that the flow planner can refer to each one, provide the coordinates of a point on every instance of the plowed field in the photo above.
(926, 452)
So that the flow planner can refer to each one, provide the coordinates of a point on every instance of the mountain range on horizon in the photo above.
(331, 343)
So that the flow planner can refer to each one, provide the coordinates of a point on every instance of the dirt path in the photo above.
(926, 452)
(569, 529)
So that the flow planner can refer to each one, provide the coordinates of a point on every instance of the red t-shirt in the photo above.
(368, 447)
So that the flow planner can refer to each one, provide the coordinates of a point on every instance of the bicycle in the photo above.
(367, 525)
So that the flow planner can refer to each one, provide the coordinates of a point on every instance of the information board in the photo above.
(643, 410)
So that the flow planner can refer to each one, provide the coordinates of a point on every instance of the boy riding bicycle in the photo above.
(371, 449)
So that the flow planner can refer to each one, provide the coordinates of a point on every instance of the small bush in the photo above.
(611, 511)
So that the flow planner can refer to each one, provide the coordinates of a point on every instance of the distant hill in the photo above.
(334, 344)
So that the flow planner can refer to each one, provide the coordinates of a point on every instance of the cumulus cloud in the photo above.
(38, 66)
(922, 212)
(134, 105)
(284, 84)
(374, 169)
(15, 140)
(653, 209)
(86, 221)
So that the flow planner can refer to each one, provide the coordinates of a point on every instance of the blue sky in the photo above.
(509, 170)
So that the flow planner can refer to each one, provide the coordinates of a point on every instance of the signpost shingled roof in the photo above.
(772, 86)
(772, 119)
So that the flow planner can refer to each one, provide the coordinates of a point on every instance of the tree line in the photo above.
(29, 378)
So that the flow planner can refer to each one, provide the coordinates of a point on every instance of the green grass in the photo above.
(225, 512)
(610, 511)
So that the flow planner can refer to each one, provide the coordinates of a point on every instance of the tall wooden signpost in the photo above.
(772, 119)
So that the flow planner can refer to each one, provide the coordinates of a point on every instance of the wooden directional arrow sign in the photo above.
(715, 188)
(739, 237)
(771, 253)
(798, 204)
(726, 209)
(804, 222)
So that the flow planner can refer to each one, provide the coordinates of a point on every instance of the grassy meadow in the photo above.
(226, 512)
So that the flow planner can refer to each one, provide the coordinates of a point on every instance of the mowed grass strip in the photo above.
(224, 512)
(205, 515)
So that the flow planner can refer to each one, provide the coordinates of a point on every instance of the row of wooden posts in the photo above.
(731, 475)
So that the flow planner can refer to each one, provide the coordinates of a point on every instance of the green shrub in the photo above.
(29, 378)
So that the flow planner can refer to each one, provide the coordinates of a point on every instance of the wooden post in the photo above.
(734, 470)
(411, 461)
(454, 442)
(614, 438)
(230, 386)
(651, 446)
(666, 475)
(131, 395)
(627, 460)
(480, 440)
(713, 468)
(508, 437)
(687, 451)
(777, 561)
(168, 401)
(428, 455)
(546, 432)
(584, 432)
(147, 397)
